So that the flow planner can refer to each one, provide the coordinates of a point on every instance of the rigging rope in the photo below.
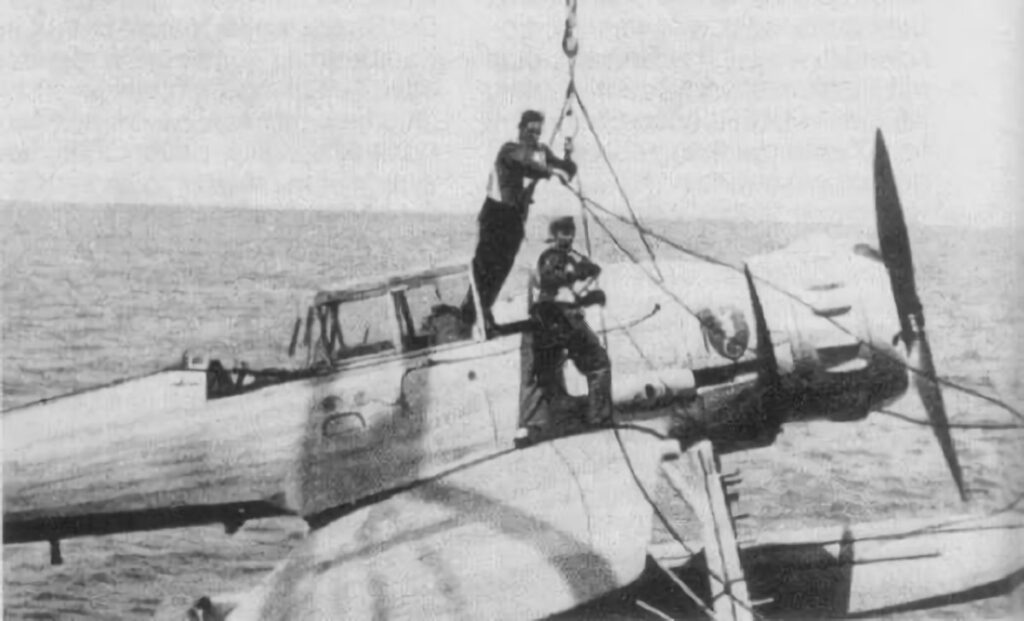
(928, 423)
(618, 183)
(570, 46)
(595, 206)
(706, 322)
(675, 534)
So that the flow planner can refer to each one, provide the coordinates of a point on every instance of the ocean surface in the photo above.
(93, 294)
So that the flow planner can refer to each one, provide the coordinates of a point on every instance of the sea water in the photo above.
(94, 294)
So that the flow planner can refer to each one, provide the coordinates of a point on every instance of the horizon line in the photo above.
(10, 202)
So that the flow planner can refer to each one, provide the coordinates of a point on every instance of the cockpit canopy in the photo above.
(398, 314)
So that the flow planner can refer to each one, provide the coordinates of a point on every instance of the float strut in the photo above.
(55, 556)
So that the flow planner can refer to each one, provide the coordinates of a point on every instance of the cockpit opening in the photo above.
(366, 321)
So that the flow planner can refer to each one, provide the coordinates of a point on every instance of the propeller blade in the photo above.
(894, 244)
(931, 396)
(893, 240)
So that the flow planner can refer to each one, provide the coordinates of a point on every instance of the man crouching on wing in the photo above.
(560, 325)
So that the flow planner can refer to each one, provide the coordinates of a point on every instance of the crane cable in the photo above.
(589, 207)
(570, 46)
(594, 207)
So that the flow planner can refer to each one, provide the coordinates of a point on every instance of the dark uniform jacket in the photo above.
(517, 162)
(557, 270)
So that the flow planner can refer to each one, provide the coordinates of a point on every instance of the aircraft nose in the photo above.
(829, 317)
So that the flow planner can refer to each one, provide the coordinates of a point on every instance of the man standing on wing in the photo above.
(503, 216)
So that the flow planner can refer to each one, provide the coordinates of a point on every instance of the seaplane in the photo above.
(397, 437)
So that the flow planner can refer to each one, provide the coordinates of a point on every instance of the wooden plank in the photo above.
(732, 600)
(701, 487)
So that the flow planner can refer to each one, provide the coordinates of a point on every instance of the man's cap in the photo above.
(531, 116)
(565, 224)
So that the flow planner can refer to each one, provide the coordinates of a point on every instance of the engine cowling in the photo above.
(832, 324)
(806, 333)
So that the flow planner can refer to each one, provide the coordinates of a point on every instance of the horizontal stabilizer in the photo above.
(148, 453)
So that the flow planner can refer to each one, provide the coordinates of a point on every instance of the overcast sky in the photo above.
(762, 110)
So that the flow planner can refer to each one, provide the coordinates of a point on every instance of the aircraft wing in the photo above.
(438, 549)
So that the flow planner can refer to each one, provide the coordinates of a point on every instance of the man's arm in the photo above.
(584, 267)
(553, 270)
(566, 165)
(533, 162)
